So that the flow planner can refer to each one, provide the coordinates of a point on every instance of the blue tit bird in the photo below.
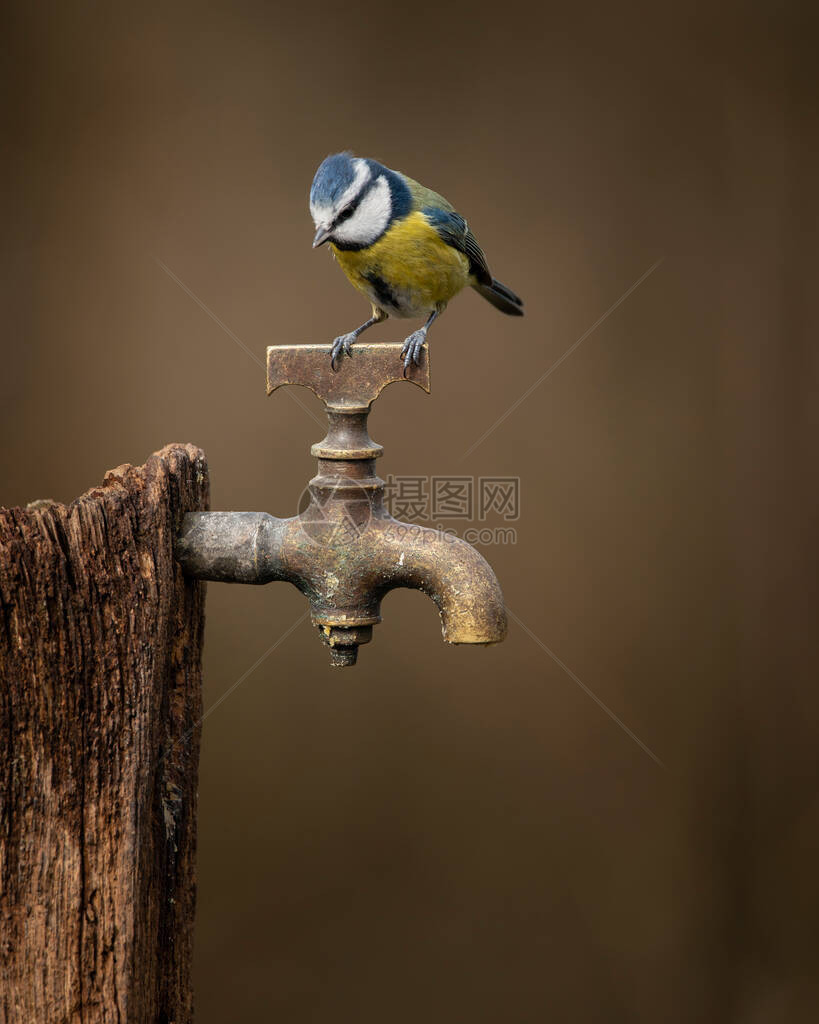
(402, 245)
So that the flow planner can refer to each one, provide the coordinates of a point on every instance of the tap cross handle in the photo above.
(357, 383)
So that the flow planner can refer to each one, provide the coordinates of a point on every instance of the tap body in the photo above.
(345, 551)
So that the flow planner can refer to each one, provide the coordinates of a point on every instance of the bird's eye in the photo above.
(345, 214)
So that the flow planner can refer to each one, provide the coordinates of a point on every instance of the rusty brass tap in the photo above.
(344, 551)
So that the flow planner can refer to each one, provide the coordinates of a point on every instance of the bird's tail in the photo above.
(501, 297)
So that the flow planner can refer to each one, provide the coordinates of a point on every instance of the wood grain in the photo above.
(100, 702)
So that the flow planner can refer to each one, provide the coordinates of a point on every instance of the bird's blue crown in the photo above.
(334, 176)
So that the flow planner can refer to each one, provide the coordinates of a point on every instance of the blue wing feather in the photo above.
(454, 230)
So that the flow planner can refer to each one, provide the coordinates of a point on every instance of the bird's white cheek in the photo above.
(371, 218)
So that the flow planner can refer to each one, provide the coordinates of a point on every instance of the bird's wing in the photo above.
(451, 226)
(454, 230)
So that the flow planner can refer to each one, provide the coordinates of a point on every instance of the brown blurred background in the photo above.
(453, 834)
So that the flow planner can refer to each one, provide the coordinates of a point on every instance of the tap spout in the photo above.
(450, 571)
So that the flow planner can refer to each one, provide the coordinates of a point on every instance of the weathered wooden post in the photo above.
(100, 704)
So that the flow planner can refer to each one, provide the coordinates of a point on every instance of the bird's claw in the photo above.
(343, 345)
(413, 346)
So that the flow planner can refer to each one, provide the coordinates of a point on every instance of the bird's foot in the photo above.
(411, 352)
(343, 345)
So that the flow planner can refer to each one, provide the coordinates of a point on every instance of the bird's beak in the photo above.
(321, 237)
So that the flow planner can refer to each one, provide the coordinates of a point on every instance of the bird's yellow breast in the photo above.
(410, 271)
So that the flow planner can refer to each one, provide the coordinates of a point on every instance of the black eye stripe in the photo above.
(351, 208)
(347, 212)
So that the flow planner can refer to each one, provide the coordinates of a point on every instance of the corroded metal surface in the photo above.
(359, 381)
(345, 551)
